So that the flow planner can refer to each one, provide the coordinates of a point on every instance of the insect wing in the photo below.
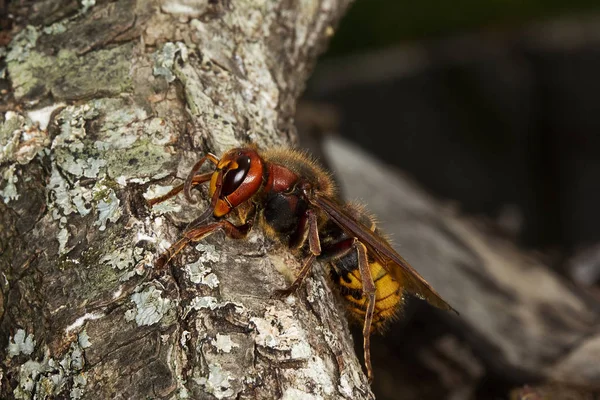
(393, 262)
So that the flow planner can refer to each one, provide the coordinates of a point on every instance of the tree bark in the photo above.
(108, 103)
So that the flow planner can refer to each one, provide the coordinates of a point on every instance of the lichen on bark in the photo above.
(111, 103)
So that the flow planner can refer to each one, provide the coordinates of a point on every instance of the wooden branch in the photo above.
(113, 103)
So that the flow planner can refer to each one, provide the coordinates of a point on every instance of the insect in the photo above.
(294, 200)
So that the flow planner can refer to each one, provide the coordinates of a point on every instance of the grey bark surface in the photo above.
(109, 103)
(517, 317)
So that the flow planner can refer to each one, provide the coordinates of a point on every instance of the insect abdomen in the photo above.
(345, 272)
(388, 295)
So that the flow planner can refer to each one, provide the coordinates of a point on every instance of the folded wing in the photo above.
(379, 247)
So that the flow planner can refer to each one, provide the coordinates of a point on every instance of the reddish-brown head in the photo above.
(241, 170)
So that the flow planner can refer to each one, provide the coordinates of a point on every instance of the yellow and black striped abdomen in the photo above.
(388, 295)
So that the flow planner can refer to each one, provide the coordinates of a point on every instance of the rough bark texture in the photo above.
(519, 322)
(106, 103)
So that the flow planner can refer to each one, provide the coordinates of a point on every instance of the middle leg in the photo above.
(314, 245)
(369, 290)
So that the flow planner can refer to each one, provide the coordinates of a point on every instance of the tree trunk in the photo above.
(108, 103)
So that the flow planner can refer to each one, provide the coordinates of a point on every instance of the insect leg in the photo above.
(187, 186)
(196, 180)
(198, 233)
(279, 293)
(369, 291)
(314, 245)
(215, 197)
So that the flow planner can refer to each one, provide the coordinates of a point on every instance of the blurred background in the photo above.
(492, 106)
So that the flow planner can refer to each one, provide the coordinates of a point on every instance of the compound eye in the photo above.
(234, 177)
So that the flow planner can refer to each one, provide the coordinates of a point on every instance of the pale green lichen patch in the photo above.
(21, 343)
(120, 259)
(49, 378)
(183, 393)
(22, 137)
(200, 302)
(79, 382)
(72, 121)
(150, 307)
(125, 146)
(208, 253)
(22, 44)
(86, 5)
(224, 344)
(108, 210)
(218, 382)
(56, 28)
(84, 340)
(134, 145)
(198, 273)
(164, 59)
(300, 350)
(78, 164)
(21, 140)
(62, 195)
(142, 160)
(211, 303)
(210, 280)
(67, 75)
(279, 330)
(24, 75)
(63, 238)
(120, 123)
(28, 378)
(9, 189)
(71, 156)
(67, 198)
(128, 260)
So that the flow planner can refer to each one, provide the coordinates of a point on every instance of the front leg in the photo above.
(197, 233)
(196, 180)
(314, 245)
